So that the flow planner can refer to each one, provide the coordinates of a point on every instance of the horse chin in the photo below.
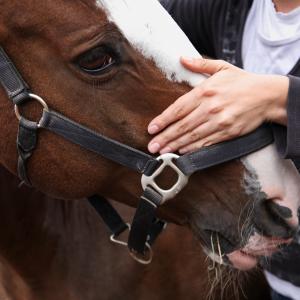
(248, 257)
(242, 261)
(237, 259)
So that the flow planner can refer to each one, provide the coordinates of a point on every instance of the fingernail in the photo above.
(153, 148)
(153, 129)
(165, 150)
(183, 151)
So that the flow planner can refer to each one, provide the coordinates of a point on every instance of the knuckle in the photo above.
(223, 123)
(183, 127)
(203, 62)
(222, 64)
(226, 120)
(194, 135)
(163, 139)
(237, 130)
(178, 111)
(215, 107)
(163, 119)
(232, 133)
(176, 145)
(208, 90)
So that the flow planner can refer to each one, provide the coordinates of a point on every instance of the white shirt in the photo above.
(271, 40)
(283, 287)
(271, 45)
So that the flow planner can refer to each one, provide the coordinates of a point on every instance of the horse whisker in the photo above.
(210, 268)
(219, 250)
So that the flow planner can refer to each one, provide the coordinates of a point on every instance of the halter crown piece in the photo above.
(145, 226)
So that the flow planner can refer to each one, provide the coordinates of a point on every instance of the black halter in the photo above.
(145, 226)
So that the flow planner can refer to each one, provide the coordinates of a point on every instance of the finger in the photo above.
(197, 134)
(215, 138)
(178, 110)
(198, 116)
(203, 65)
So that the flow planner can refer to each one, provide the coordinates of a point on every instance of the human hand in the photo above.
(230, 103)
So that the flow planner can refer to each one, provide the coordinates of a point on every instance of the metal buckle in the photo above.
(117, 241)
(34, 97)
(167, 160)
(143, 260)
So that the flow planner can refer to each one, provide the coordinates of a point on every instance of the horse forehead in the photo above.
(152, 31)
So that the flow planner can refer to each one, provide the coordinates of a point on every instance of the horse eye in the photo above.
(96, 61)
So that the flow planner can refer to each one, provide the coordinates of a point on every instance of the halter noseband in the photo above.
(145, 226)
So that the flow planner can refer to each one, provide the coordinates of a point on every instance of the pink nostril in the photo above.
(293, 222)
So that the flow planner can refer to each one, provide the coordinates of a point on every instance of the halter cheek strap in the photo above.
(13, 83)
(26, 143)
(145, 226)
(18, 92)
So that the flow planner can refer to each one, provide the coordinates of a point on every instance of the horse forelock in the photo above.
(152, 31)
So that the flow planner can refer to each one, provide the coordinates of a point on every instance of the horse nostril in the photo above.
(278, 211)
(289, 215)
(271, 219)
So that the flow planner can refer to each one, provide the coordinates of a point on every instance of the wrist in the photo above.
(276, 94)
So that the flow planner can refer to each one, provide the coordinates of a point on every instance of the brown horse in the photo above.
(86, 61)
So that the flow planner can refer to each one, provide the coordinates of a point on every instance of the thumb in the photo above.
(202, 65)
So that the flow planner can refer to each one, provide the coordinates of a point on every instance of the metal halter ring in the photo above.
(34, 97)
(167, 160)
(143, 260)
(117, 241)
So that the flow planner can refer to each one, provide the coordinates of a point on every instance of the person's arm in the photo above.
(288, 138)
(230, 103)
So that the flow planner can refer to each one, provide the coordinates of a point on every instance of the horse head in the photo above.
(112, 66)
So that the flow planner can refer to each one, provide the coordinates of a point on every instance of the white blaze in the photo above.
(152, 31)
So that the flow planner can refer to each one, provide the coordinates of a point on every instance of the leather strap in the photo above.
(116, 225)
(26, 143)
(156, 228)
(220, 153)
(13, 83)
(97, 143)
(108, 214)
(144, 218)
(146, 164)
